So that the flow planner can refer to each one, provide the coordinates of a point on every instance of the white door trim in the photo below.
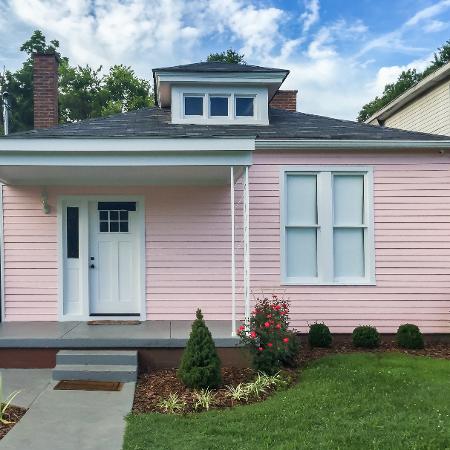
(83, 201)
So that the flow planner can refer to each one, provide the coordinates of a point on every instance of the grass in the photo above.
(353, 401)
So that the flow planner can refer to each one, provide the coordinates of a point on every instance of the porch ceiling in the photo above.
(125, 175)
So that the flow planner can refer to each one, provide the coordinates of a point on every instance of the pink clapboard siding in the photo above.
(188, 246)
(412, 240)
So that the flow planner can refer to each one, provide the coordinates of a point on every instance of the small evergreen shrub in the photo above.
(268, 337)
(366, 336)
(409, 336)
(200, 364)
(319, 335)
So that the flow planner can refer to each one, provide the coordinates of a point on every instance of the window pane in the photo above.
(244, 106)
(218, 106)
(103, 227)
(348, 252)
(124, 227)
(348, 199)
(193, 106)
(301, 248)
(301, 200)
(72, 232)
(103, 215)
(123, 215)
(113, 227)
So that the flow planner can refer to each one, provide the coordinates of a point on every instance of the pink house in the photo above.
(219, 192)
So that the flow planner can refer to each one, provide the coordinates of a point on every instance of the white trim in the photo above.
(357, 144)
(127, 145)
(83, 201)
(233, 256)
(325, 225)
(246, 247)
(2, 257)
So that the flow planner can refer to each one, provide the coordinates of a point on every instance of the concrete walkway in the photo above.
(70, 420)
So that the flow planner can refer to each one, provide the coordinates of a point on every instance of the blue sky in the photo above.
(340, 52)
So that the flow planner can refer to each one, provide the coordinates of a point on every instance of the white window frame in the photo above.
(227, 96)
(235, 96)
(325, 226)
(260, 105)
(187, 94)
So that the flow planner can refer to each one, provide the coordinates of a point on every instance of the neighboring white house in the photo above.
(424, 107)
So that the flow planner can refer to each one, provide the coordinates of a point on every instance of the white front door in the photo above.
(114, 258)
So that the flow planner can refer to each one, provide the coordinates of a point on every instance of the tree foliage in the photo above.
(84, 92)
(228, 56)
(405, 80)
(200, 363)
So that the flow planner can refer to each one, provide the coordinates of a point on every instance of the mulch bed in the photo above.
(159, 384)
(12, 414)
(435, 350)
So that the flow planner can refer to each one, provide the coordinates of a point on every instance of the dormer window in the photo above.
(244, 106)
(218, 105)
(193, 105)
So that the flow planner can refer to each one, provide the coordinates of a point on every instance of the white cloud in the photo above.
(325, 58)
(311, 14)
(435, 26)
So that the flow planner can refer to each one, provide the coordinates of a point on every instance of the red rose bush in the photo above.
(268, 337)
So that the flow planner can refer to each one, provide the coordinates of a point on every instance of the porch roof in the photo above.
(153, 333)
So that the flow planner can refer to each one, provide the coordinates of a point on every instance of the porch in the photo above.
(184, 244)
(148, 334)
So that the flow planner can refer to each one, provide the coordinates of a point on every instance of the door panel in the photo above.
(114, 258)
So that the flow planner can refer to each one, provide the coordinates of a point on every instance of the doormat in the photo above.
(114, 322)
(87, 385)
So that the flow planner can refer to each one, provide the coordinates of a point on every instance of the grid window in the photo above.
(113, 221)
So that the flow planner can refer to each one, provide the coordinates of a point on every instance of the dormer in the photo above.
(216, 93)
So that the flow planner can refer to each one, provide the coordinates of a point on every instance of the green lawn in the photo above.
(355, 401)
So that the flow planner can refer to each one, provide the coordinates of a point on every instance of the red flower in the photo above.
(278, 325)
(267, 324)
(286, 340)
(277, 307)
(269, 344)
(253, 334)
(241, 328)
(260, 349)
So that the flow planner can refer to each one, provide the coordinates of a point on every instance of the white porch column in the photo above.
(233, 256)
(246, 248)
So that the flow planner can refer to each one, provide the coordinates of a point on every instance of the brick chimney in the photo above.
(284, 100)
(45, 90)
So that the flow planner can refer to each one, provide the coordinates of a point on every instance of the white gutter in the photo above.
(124, 145)
(347, 144)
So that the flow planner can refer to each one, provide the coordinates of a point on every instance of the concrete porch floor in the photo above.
(153, 334)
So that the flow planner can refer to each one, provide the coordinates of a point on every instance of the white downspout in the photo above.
(246, 248)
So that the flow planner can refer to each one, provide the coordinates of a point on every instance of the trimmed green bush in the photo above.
(366, 336)
(319, 335)
(409, 336)
(200, 364)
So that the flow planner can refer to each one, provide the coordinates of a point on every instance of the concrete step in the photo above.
(97, 357)
(95, 372)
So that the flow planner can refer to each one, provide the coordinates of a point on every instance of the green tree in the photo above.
(200, 364)
(83, 91)
(228, 56)
(405, 80)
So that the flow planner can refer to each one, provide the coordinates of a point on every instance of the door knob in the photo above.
(92, 266)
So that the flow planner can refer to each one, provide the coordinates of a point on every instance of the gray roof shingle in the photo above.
(219, 67)
(156, 123)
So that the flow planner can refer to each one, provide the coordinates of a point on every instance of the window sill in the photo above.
(330, 283)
